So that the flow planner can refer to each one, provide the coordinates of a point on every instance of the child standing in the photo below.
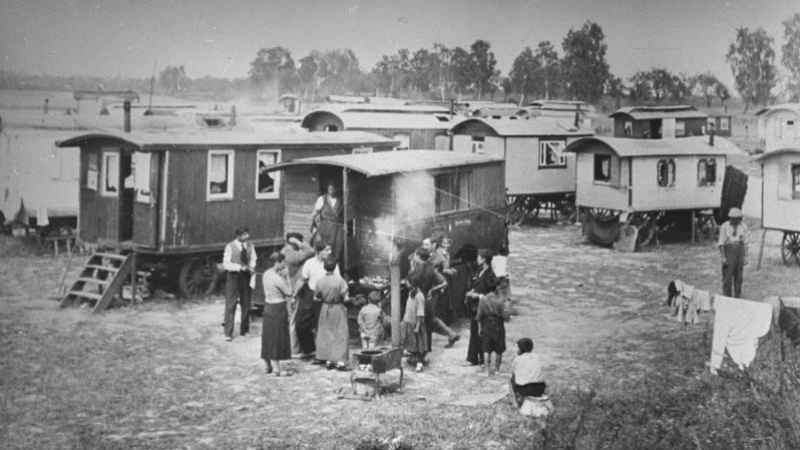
(370, 322)
(414, 333)
(492, 315)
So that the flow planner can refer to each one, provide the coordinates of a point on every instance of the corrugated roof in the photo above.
(386, 163)
(188, 140)
(626, 147)
(660, 112)
(539, 126)
(793, 107)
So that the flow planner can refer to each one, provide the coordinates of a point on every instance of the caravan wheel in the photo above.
(790, 248)
(196, 278)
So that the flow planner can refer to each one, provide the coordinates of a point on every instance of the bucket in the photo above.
(364, 387)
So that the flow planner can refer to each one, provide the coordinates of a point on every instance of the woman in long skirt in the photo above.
(332, 331)
(275, 340)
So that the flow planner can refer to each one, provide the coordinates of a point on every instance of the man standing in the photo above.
(733, 250)
(239, 262)
(297, 253)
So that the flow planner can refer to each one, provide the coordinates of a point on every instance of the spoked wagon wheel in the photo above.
(790, 248)
(706, 228)
(564, 211)
(603, 215)
(521, 208)
(647, 223)
(197, 278)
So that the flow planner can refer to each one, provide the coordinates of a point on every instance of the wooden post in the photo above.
(345, 195)
(133, 278)
(694, 225)
(761, 249)
(394, 281)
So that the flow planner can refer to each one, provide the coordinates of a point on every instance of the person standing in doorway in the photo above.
(239, 262)
(328, 220)
(733, 250)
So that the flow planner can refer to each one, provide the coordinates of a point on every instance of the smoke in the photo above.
(391, 236)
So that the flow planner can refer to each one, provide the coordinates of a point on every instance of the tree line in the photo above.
(579, 72)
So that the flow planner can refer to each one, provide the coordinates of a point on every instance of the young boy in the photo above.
(492, 315)
(414, 333)
(526, 372)
(370, 322)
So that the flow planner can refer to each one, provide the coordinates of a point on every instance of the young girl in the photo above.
(414, 333)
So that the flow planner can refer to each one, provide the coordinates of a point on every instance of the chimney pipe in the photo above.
(233, 116)
(127, 108)
(711, 138)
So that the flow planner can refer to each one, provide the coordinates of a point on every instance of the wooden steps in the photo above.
(101, 279)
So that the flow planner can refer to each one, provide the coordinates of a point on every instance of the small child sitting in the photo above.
(526, 372)
(370, 322)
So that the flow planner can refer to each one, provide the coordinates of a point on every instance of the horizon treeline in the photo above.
(575, 70)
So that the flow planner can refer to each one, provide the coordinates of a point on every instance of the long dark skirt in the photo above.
(275, 341)
(474, 348)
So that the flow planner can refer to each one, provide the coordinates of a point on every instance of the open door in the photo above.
(147, 171)
(125, 197)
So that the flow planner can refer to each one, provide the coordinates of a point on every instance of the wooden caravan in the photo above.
(394, 200)
(780, 203)
(779, 127)
(174, 198)
(652, 184)
(659, 122)
(538, 173)
(413, 126)
(720, 124)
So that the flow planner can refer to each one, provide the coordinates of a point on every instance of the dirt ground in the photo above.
(160, 375)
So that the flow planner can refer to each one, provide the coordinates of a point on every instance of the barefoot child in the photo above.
(414, 335)
(492, 313)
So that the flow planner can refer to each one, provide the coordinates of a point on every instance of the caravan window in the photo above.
(602, 168)
(267, 183)
(666, 172)
(404, 141)
(795, 181)
(477, 145)
(550, 154)
(706, 171)
(452, 191)
(109, 177)
(219, 184)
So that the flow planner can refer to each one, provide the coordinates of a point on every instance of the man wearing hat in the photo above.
(733, 250)
(239, 262)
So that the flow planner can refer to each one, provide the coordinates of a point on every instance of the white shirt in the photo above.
(232, 266)
(527, 369)
(500, 266)
(321, 199)
(313, 270)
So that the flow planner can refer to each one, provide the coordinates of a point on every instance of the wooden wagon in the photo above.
(166, 203)
(654, 185)
(539, 175)
(780, 202)
(394, 200)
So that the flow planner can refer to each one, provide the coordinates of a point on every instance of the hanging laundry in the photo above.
(686, 307)
(702, 299)
(737, 326)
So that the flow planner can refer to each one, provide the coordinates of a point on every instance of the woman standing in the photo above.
(332, 331)
(328, 220)
(275, 340)
(484, 282)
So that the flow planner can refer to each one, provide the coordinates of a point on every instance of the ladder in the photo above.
(101, 279)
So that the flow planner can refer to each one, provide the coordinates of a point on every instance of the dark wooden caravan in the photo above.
(171, 200)
(394, 200)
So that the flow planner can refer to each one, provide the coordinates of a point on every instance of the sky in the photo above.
(220, 38)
